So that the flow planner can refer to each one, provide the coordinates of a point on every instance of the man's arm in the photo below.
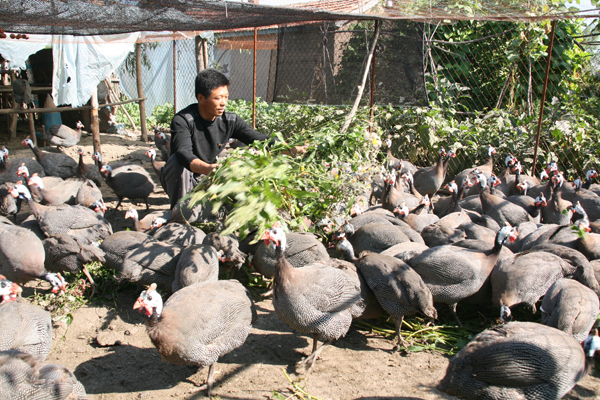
(181, 145)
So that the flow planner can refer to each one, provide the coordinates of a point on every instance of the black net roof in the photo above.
(96, 17)
(81, 17)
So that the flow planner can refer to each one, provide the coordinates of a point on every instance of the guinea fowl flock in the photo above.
(496, 240)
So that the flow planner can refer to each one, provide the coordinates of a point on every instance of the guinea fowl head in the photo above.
(27, 142)
(131, 213)
(99, 206)
(481, 180)
(36, 181)
(493, 181)
(510, 160)
(20, 191)
(162, 135)
(157, 222)
(402, 210)
(388, 143)
(522, 187)
(506, 233)
(9, 290)
(4, 152)
(592, 173)
(451, 187)
(80, 152)
(275, 237)
(577, 184)
(97, 156)
(408, 177)
(558, 180)
(451, 154)
(79, 125)
(540, 201)
(106, 170)
(491, 151)
(57, 281)
(151, 153)
(23, 171)
(345, 247)
(517, 168)
(149, 302)
(552, 168)
(505, 314)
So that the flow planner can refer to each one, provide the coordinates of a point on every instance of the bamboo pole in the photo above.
(198, 53)
(175, 75)
(254, 81)
(95, 124)
(361, 88)
(13, 122)
(372, 85)
(140, 88)
(541, 117)
(114, 96)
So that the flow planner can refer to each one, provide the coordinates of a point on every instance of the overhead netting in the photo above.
(99, 17)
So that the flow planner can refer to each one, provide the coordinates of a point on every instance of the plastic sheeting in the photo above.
(80, 65)
(18, 51)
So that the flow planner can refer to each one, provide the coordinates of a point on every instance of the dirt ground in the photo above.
(107, 347)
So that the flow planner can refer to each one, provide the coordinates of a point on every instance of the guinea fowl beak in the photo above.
(268, 238)
(142, 306)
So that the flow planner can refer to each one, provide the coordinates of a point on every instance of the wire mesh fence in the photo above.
(462, 84)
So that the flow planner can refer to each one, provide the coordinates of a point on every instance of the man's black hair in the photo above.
(208, 80)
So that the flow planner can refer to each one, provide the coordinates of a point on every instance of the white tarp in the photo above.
(17, 51)
(80, 65)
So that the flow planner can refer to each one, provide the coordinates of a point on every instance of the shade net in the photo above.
(324, 63)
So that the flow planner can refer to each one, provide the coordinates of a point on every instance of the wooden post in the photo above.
(254, 81)
(32, 128)
(13, 122)
(198, 53)
(205, 53)
(361, 88)
(175, 76)
(543, 101)
(140, 88)
(95, 125)
(372, 103)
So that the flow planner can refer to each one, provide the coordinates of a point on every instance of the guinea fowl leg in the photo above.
(89, 276)
(210, 380)
(453, 311)
(310, 360)
(401, 341)
(118, 204)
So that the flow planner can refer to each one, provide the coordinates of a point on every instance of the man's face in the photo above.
(213, 106)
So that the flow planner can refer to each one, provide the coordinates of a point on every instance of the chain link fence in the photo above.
(454, 84)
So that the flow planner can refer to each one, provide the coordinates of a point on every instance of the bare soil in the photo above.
(110, 353)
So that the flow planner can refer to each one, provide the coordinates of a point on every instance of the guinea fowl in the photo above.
(23, 376)
(25, 327)
(553, 212)
(88, 171)
(177, 234)
(429, 179)
(317, 299)
(454, 273)
(64, 192)
(378, 237)
(22, 257)
(417, 221)
(301, 249)
(54, 164)
(570, 307)
(587, 243)
(501, 210)
(518, 360)
(228, 248)
(219, 316)
(129, 184)
(150, 262)
(80, 222)
(117, 245)
(157, 166)
(8, 204)
(487, 169)
(66, 254)
(197, 263)
(89, 195)
(12, 167)
(529, 204)
(397, 287)
(394, 194)
(63, 136)
(163, 143)
(524, 278)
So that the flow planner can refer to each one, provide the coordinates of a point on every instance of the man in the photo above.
(199, 133)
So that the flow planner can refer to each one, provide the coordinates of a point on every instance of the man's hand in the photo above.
(200, 167)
